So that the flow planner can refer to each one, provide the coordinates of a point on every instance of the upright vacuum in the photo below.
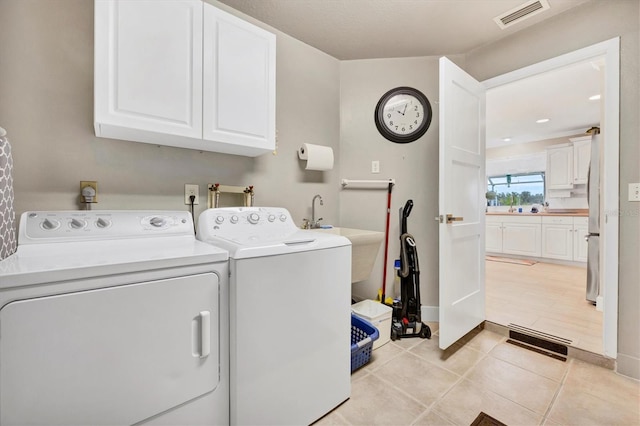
(407, 319)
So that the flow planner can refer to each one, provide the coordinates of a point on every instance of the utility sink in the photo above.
(364, 249)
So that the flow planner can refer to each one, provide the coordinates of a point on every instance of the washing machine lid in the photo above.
(260, 231)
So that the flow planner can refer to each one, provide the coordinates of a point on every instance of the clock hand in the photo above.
(404, 110)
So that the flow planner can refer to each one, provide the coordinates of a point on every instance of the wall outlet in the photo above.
(189, 190)
(88, 184)
(375, 166)
(634, 192)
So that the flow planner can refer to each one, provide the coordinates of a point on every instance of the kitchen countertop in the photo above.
(581, 213)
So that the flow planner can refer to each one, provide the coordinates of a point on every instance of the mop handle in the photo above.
(386, 245)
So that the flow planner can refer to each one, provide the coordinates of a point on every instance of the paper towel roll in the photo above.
(318, 157)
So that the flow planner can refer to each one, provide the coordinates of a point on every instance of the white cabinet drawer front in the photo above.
(522, 219)
(493, 219)
(557, 220)
(581, 221)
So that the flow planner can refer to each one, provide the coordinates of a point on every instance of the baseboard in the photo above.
(430, 313)
(628, 366)
(599, 303)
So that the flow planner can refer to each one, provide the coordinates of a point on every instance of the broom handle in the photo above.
(386, 244)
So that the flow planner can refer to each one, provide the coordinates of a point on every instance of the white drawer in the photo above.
(515, 218)
(557, 220)
(581, 221)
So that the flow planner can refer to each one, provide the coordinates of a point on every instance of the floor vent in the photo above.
(543, 343)
(520, 13)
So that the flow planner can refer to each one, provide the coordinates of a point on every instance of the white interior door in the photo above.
(462, 187)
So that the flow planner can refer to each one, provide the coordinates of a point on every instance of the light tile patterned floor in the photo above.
(545, 297)
(412, 382)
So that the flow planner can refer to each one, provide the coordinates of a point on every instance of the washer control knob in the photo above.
(77, 224)
(283, 217)
(234, 219)
(219, 220)
(157, 221)
(253, 218)
(50, 224)
(271, 218)
(103, 223)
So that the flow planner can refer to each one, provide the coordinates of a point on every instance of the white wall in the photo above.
(414, 166)
(46, 106)
(583, 26)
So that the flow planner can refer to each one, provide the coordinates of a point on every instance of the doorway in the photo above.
(609, 52)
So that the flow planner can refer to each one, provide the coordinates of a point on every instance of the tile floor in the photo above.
(412, 382)
(545, 297)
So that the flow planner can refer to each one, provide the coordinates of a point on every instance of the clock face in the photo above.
(403, 115)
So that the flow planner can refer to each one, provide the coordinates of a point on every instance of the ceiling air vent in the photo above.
(520, 13)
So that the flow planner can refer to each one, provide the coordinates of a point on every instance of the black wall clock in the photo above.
(403, 114)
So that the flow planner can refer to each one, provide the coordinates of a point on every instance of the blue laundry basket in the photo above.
(363, 334)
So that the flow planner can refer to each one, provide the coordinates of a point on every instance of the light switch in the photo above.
(375, 166)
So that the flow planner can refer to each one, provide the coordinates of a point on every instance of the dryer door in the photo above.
(116, 355)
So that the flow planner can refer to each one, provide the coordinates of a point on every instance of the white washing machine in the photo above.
(290, 319)
(113, 318)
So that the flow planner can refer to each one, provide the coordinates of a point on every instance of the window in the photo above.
(522, 189)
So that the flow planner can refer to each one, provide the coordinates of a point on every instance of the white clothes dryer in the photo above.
(290, 319)
(113, 318)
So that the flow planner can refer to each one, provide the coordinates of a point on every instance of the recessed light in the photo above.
(506, 139)
(594, 97)
(542, 120)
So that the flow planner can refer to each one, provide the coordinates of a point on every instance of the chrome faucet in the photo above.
(315, 223)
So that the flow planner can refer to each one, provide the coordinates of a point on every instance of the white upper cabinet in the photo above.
(239, 83)
(581, 157)
(559, 173)
(154, 60)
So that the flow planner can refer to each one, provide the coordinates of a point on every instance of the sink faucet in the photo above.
(315, 223)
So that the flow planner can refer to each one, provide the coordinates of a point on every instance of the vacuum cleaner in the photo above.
(407, 320)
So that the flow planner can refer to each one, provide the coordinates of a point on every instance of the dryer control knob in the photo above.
(77, 224)
(271, 218)
(103, 223)
(253, 218)
(157, 221)
(50, 224)
(234, 219)
(219, 220)
(283, 217)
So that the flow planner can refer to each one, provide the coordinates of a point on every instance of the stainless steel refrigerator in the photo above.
(593, 238)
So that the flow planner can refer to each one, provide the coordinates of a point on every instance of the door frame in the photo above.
(610, 51)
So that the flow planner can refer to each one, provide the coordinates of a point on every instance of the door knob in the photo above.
(451, 218)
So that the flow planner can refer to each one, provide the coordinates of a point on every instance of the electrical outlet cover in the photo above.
(189, 190)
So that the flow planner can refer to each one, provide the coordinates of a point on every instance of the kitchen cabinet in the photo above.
(550, 237)
(559, 173)
(581, 157)
(513, 234)
(183, 73)
(557, 237)
(580, 245)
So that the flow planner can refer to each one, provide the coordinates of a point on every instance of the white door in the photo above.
(462, 187)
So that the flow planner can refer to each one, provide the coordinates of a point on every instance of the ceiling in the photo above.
(366, 29)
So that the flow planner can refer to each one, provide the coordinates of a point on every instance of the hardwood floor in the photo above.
(544, 297)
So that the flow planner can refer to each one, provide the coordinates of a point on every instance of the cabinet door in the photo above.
(111, 356)
(521, 238)
(559, 174)
(493, 237)
(239, 85)
(148, 69)
(557, 241)
(581, 156)
(580, 245)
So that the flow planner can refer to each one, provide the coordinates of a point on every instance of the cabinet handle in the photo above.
(205, 333)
